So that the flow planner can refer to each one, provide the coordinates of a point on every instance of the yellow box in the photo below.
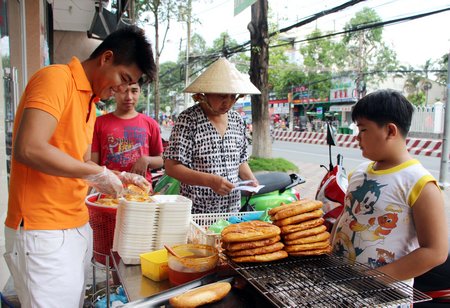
(154, 265)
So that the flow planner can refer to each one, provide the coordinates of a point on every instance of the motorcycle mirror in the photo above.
(330, 134)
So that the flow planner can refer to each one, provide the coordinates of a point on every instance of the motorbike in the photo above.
(332, 188)
(278, 188)
(331, 191)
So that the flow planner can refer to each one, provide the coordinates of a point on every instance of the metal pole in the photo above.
(443, 172)
(148, 101)
(188, 46)
(23, 38)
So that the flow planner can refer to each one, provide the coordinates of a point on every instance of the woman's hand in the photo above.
(221, 185)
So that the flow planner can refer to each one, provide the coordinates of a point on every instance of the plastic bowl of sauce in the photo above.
(195, 261)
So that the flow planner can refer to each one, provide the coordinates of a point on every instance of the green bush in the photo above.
(271, 164)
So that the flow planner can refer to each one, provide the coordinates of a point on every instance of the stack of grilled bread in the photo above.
(253, 241)
(302, 228)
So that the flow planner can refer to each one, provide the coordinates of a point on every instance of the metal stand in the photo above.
(104, 267)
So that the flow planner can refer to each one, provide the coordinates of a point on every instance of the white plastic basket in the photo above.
(199, 234)
(141, 226)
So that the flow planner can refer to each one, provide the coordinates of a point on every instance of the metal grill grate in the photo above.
(326, 281)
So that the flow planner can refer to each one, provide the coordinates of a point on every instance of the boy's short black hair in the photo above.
(129, 46)
(383, 107)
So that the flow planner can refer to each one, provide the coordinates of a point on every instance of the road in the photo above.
(318, 154)
(309, 157)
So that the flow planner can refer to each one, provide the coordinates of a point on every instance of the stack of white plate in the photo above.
(174, 220)
(136, 229)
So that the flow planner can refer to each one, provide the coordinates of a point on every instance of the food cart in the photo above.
(314, 281)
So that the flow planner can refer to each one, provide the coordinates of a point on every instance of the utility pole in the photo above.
(188, 46)
(443, 171)
(259, 66)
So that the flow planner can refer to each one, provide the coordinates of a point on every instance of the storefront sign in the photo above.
(281, 108)
(343, 90)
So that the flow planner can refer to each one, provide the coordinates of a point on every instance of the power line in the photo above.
(242, 48)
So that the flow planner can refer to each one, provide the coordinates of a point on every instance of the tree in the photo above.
(259, 61)
(441, 77)
(367, 54)
(162, 11)
(417, 84)
(282, 74)
(320, 58)
(171, 83)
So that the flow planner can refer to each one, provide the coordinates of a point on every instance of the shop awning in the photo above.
(340, 108)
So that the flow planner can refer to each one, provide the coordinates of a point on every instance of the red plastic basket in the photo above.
(103, 222)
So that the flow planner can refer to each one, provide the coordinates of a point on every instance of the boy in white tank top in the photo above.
(394, 218)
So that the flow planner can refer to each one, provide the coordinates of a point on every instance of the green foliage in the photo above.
(171, 81)
(366, 51)
(282, 74)
(364, 17)
(442, 76)
(282, 80)
(417, 99)
(271, 164)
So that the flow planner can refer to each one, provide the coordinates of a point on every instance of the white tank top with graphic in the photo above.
(376, 226)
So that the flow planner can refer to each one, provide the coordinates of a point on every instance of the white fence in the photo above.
(428, 119)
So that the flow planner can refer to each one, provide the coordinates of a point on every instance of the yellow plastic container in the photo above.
(154, 265)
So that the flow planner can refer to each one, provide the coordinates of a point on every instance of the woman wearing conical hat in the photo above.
(207, 149)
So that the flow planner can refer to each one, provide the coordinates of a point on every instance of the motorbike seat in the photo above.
(435, 279)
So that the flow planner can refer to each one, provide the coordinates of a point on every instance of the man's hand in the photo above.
(136, 179)
(106, 182)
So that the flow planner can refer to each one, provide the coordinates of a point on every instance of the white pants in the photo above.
(49, 267)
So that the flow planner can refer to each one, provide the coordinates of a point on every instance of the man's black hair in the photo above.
(129, 46)
(383, 107)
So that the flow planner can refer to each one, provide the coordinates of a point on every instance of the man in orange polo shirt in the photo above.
(48, 237)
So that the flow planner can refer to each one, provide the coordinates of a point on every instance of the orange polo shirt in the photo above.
(43, 201)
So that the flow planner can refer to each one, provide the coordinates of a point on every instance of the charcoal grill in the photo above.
(326, 281)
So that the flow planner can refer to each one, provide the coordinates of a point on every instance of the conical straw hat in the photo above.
(222, 77)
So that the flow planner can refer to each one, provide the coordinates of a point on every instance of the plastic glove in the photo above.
(136, 179)
(106, 182)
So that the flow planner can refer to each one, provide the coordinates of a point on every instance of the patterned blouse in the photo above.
(195, 143)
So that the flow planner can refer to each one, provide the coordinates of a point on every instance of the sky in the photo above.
(414, 41)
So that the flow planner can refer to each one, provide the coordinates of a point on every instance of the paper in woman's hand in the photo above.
(243, 185)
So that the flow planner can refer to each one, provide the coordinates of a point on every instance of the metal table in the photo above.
(135, 285)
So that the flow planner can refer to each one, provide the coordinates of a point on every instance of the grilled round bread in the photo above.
(304, 233)
(250, 245)
(256, 251)
(249, 231)
(314, 252)
(308, 246)
(305, 207)
(298, 218)
(310, 239)
(277, 255)
(281, 207)
(304, 225)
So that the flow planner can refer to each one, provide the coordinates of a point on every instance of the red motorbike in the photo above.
(333, 186)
